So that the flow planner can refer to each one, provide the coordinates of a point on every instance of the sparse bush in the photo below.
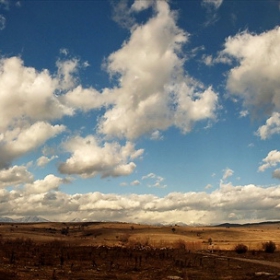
(241, 249)
(269, 247)
(65, 231)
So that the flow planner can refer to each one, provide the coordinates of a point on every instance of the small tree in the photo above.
(241, 249)
(65, 231)
(269, 247)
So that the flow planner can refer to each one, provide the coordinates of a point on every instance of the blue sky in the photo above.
(144, 111)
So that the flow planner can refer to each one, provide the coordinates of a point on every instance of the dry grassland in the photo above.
(60, 251)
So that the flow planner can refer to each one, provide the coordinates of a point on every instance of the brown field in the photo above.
(61, 251)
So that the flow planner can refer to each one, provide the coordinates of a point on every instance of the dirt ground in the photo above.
(60, 251)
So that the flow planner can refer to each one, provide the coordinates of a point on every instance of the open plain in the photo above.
(96, 250)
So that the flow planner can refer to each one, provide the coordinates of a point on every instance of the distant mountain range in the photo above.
(27, 219)
(248, 224)
(36, 219)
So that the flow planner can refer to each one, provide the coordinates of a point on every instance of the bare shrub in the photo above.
(269, 247)
(241, 248)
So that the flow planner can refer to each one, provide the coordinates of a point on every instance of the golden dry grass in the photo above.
(224, 238)
(24, 257)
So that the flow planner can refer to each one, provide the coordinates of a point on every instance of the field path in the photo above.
(262, 262)
(268, 263)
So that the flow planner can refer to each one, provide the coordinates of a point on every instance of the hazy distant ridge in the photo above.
(28, 219)
(248, 224)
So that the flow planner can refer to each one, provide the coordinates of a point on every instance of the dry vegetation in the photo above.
(130, 251)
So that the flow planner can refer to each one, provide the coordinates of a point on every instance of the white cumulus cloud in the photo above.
(135, 183)
(27, 94)
(86, 99)
(227, 203)
(141, 5)
(29, 101)
(19, 141)
(90, 158)
(43, 160)
(152, 86)
(50, 182)
(271, 160)
(271, 127)
(256, 76)
(276, 173)
(15, 175)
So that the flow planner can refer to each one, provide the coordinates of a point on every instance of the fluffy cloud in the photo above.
(13, 176)
(194, 107)
(86, 99)
(43, 160)
(276, 173)
(141, 5)
(135, 183)
(89, 158)
(27, 94)
(271, 127)
(156, 135)
(65, 73)
(152, 86)
(227, 203)
(256, 77)
(29, 101)
(153, 90)
(19, 141)
(122, 14)
(50, 182)
(271, 160)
